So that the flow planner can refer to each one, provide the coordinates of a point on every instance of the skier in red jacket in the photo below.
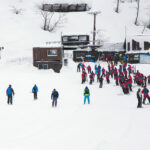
(145, 91)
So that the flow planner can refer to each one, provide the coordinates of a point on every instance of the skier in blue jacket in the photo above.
(35, 91)
(10, 93)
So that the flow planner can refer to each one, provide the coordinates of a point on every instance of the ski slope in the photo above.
(111, 121)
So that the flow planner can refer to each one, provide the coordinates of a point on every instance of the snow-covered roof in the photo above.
(84, 49)
(139, 38)
(50, 44)
(112, 47)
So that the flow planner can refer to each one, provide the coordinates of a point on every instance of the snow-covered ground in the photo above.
(111, 121)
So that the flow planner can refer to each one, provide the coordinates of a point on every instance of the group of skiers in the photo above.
(123, 76)
(54, 95)
(10, 93)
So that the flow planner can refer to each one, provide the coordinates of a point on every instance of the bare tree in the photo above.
(117, 8)
(51, 21)
(137, 14)
(49, 24)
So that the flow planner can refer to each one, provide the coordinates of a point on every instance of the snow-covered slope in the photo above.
(111, 121)
(19, 33)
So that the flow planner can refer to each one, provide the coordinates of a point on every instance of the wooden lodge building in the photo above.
(48, 58)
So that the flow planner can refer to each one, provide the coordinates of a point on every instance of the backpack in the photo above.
(34, 90)
(86, 91)
(55, 94)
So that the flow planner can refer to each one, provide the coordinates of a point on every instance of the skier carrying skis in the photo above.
(86, 95)
(10, 93)
(35, 91)
(54, 97)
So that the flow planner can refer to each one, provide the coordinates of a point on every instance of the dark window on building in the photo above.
(73, 38)
(82, 38)
(65, 39)
(47, 7)
(135, 45)
(52, 53)
(146, 45)
(136, 57)
(43, 66)
(128, 46)
(81, 7)
(64, 7)
(56, 7)
(72, 7)
(80, 55)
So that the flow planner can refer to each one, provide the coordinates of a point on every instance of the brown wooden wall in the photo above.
(40, 57)
(40, 54)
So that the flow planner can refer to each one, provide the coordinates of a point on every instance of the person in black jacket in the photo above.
(78, 67)
(101, 82)
(54, 97)
(139, 97)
